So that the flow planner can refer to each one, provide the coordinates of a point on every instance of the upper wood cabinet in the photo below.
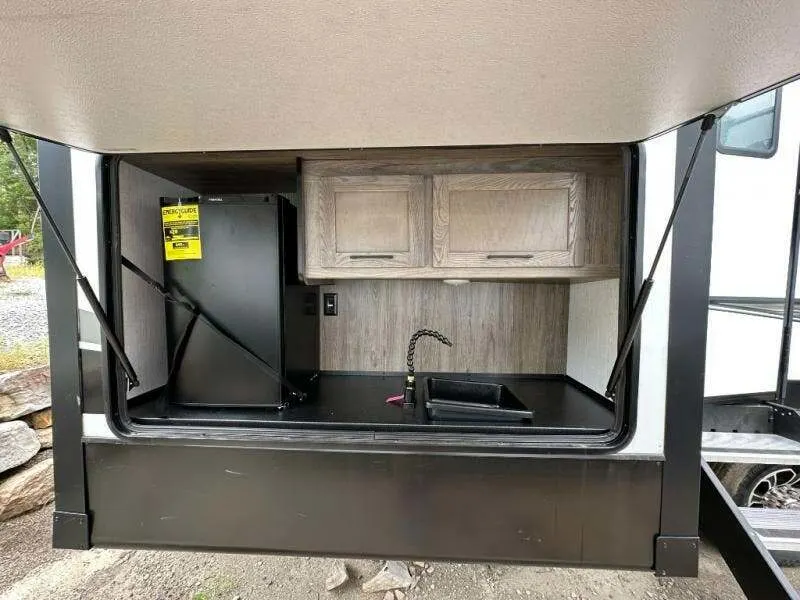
(465, 214)
(508, 220)
(369, 221)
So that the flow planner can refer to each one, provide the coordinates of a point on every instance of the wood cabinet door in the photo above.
(508, 220)
(365, 221)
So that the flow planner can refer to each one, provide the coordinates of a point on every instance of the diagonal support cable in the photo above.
(647, 285)
(197, 314)
(83, 283)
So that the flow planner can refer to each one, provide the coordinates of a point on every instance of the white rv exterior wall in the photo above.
(753, 205)
(648, 438)
(84, 174)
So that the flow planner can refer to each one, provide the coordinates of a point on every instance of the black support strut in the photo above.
(83, 283)
(196, 314)
(647, 284)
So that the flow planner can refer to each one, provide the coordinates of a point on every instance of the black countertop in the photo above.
(558, 403)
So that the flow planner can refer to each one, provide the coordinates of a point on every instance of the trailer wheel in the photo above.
(763, 486)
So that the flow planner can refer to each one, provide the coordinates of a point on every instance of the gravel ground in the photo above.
(31, 570)
(23, 313)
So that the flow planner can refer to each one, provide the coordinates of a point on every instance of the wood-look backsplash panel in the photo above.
(495, 327)
(603, 209)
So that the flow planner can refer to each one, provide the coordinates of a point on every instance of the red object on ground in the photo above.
(8, 247)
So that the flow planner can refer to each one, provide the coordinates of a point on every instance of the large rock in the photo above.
(24, 392)
(41, 419)
(45, 437)
(18, 444)
(27, 489)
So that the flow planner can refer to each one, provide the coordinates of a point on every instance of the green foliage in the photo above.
(17, 204)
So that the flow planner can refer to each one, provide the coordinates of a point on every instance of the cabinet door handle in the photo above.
(502, 256)
(368, 256)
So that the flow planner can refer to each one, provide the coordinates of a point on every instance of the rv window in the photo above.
(751, 127)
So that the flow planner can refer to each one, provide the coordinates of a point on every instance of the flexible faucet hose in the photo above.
(412, 345)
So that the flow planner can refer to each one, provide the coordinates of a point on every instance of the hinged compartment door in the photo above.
(365, 221)
(508, 220)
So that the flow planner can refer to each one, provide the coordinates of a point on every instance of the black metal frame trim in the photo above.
(128, 430)
(785, 421)
(688, 323)
(65, 375)
(789, 297)
(739, 413)
(676, 556)
(631, 254)
(71, 530)
(754, 568)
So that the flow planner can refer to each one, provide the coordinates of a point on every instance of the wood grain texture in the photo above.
(313, 208)
(494, 327)
(479, 160)
(602, 223)
(539, 274)
(521, 221)
(301, 234)
(276, 170)
(598, 245)
(369, 221)
(508, 220)
(365, 221)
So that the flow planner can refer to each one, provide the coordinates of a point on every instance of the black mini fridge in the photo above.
(245, 285)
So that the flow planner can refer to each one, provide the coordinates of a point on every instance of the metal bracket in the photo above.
(677, 556)
(71, 530)
(785, 421)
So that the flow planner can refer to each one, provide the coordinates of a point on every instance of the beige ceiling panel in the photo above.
(160, 75)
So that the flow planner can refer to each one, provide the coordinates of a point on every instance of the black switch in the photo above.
(330, 305)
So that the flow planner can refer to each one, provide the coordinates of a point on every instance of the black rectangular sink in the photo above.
(454, 400)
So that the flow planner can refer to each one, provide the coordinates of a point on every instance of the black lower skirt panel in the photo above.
(594, 512)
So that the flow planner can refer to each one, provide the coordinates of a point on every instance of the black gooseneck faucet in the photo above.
(409, 394)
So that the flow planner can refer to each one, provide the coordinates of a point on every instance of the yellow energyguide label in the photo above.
(181, 225)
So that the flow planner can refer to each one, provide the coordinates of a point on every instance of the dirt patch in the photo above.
(25, 545)
(30, 569)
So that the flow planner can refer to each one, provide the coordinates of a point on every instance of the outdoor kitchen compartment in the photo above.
(540, 340)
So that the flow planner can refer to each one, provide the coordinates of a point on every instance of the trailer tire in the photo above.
(740, 480)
